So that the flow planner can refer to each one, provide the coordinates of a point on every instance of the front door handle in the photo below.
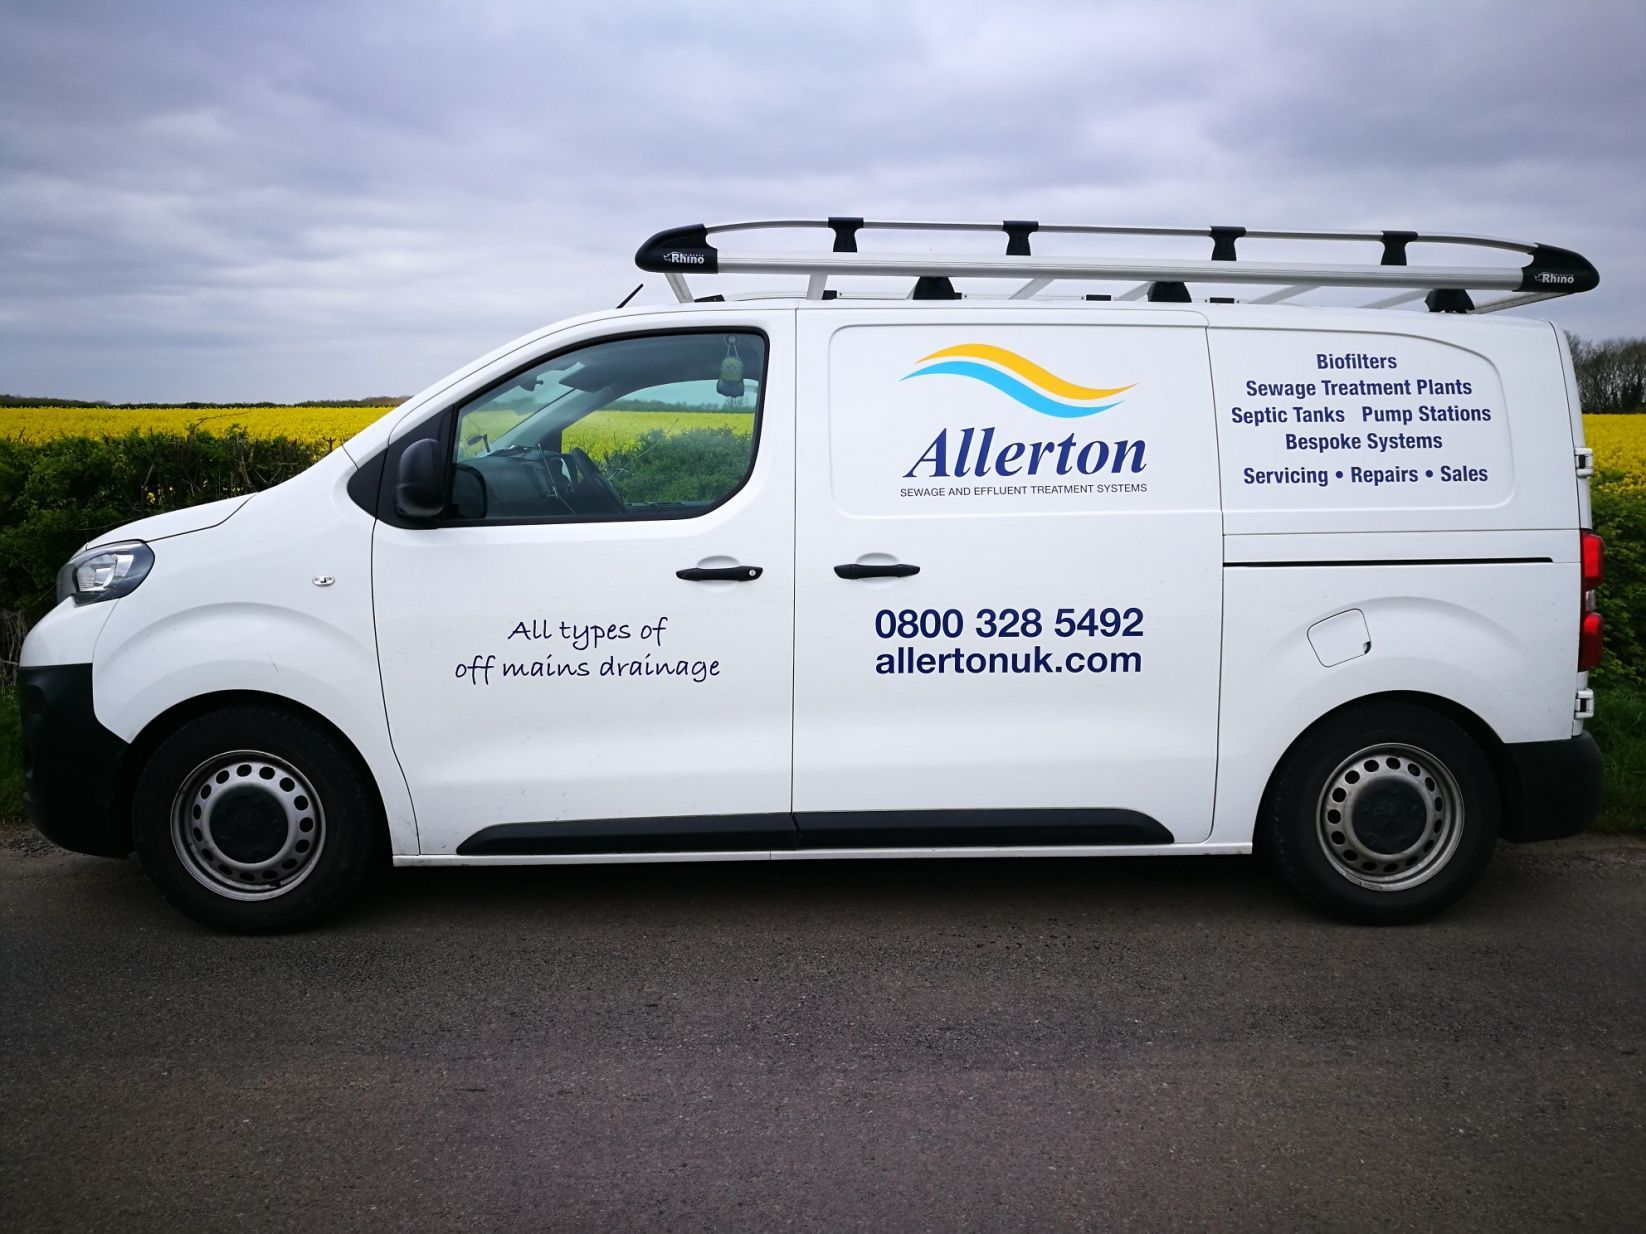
(855, 570)
(730, 574)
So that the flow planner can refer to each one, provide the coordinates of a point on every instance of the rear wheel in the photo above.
(255, 820)
(1383, 813)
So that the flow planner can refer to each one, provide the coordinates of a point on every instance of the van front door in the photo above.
(590, 651)
(1008, 579)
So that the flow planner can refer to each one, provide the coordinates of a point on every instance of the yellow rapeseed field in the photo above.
(302, 423)
(1619, 443)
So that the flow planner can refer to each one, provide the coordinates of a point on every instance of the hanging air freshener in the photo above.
(730, 384)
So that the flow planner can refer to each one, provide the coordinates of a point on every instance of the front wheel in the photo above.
(1382, 814)
(254, 820)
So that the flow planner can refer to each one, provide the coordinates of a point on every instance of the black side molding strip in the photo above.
(844, 829)
(977, 828)
(679, 834)
(1403, 561)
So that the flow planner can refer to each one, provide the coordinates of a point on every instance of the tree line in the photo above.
(1611, 374)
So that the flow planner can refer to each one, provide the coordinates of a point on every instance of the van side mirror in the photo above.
(420, 480)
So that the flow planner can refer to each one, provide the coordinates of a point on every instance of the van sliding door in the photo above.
(1008, 579)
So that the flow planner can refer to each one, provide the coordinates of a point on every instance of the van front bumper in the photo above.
(1553, 788)
(71, 763)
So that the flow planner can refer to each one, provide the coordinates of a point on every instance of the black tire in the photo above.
(255, 820)
(1382, 814)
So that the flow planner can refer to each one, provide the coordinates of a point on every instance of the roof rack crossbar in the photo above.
(1549, 271)
(1285, 293)
(1516, 301)
(1405, 297)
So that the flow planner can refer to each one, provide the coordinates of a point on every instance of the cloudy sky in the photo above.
(217, 201)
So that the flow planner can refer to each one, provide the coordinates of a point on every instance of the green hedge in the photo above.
(1620, 520)
(56, 495)
(11, 757)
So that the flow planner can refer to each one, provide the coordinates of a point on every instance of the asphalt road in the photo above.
(1035, 1045)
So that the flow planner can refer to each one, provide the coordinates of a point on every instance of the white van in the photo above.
(919, 575)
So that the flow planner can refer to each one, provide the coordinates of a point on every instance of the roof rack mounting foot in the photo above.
(1449, 300)
(1169, 292)
(1223, 242)
(1017, 237)
(845, 233)
(1394, 247)
(933, 287)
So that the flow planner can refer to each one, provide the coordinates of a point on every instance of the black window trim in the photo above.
(442, 427)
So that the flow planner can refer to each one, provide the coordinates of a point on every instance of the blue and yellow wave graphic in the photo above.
(1019, 378)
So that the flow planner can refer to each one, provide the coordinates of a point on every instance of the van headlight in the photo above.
(105, 573)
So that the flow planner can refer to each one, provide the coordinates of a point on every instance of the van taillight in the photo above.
(1590, 632)
(1594, 560)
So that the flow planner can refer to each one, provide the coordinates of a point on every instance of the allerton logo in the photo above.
(1019, 378)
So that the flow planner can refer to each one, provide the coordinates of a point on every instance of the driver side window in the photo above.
(658, 426)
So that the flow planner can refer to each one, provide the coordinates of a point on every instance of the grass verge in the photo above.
(11, 758)
(1619, 726)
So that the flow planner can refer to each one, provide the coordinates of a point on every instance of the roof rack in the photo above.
(1550, 272)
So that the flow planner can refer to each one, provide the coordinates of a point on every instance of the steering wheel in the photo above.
(594, 492)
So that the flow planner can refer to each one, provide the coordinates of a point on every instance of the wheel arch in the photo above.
(162, 726)
(1480, 732)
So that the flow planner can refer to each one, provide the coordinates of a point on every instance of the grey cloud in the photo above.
(290, 200)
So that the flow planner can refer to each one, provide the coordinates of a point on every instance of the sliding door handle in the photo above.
(896, 570)
(730, 574)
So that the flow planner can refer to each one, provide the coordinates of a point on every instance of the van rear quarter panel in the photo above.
(1470, 587)
(1499, 640)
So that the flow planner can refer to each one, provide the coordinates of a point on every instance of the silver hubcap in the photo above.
(247, 825)
(1390, 817)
